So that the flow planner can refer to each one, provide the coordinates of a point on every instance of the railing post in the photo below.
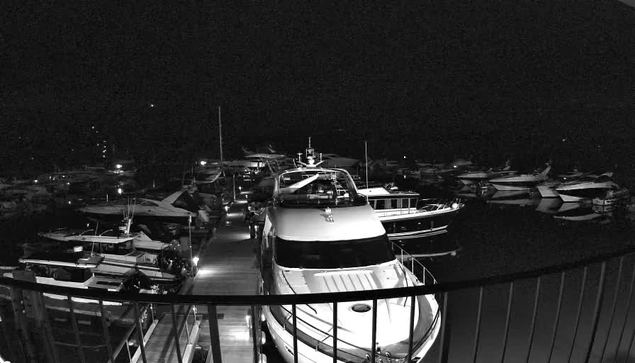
(615, 297)
(335, 332)
(444, 344)
(175, 331)
(478, 324)
(508, 319)
(596, 310)
(373, 351)
(554, 334)
(43, 323)
(534, 314)
(579, 311)
(104, 326)
(140, 332)
(214, 333)
(294, 313)
(628, 312)
(80, 349)
(413, 301)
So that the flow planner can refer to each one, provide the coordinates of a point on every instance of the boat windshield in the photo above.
(333, 254)
(323, 187)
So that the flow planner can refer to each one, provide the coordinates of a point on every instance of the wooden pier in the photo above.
(227, 266)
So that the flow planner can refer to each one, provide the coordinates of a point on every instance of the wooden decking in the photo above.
(226, 267)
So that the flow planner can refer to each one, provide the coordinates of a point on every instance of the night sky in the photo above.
(429, 79)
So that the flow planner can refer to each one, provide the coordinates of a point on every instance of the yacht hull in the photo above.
(416, 224)
(547, 191)
(567, 198)
(308, 352)
(514, 187)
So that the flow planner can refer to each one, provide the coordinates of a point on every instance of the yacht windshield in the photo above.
(328, 187)
(333, 254)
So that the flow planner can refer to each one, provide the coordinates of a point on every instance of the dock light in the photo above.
(195, 261)
(203, 162)
(118, 166)
(226, 208)
(119, 191)
(35, 181)
(263, 339)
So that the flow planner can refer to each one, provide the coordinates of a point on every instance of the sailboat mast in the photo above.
(366, 161)
(220, 136)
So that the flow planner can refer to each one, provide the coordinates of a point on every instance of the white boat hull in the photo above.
(505, 187)
(547, 191)
(567, 198)
(283, 340)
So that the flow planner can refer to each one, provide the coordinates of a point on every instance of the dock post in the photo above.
(214, 334)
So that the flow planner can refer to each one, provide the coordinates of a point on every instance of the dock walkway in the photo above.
(227, 267)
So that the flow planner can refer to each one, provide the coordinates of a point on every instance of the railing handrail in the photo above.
(246, 300)
(413, 261)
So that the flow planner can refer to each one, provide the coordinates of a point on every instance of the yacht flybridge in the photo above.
(321, 236)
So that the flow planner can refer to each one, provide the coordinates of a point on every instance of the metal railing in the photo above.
(573, 312)
(415, 266)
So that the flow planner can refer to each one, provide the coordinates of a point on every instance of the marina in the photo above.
(229, 263)
(203, 182)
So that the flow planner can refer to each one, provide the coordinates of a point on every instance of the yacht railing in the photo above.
(415, 266)
(574, 312)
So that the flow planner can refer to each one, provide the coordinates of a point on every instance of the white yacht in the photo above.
(120, 256)
(75, 270)
(520, 182)
(586, 188)
(172, 208)
(321, 236)
(478, 176)
(405, 215)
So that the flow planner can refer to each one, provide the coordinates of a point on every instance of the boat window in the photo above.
(413, 202)
(70, 274)
(394, 203)
(116, 248)
(333, 254)
(404, 203)
(381, 204)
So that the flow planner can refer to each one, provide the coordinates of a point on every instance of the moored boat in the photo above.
(520, 182)
(405, 215)
(321, 236)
